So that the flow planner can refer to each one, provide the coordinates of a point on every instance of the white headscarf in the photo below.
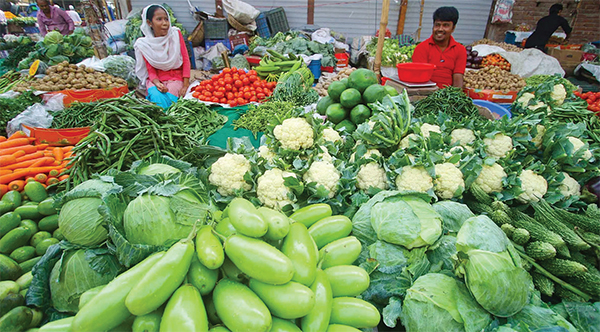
(162, 53)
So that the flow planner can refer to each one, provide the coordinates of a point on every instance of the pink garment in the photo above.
(174, 74)
(58, 20)
(173, 86)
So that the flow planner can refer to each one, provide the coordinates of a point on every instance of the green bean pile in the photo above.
(76, 115)
(451, 100)
(196, 119)
(128, 129)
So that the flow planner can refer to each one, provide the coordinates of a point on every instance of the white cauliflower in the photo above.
(578, 144)
(325, 174)
(265, 153)
(371, 153)
(498, 146)
(227, 173)
(294, 134)
(490, 178)
(405, 142)
(448, 181)
(525, 98)
(537, 105)
(569, 186)
(426, 128)
(331, 135)
(558, 94)
(534, 186)
(371, 175)
(271, 190)
(462, 136)
(325, 155)
(414, 178)
(539, 137)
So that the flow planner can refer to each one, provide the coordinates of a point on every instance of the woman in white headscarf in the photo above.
(162, 58)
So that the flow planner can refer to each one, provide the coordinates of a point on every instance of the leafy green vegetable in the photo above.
(257, 117)
(584, 316)
(451, 100)
(11, 107)
(53, 38)
(392, 53)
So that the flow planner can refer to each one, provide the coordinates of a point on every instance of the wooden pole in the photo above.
(402, 17)
(420, 21)
(219, 8)
(310, 14)
(94, 24)
(385, 8)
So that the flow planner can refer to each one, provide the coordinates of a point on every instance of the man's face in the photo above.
(44, 6)
(442, 30)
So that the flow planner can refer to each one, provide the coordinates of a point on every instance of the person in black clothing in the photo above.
(546, 27)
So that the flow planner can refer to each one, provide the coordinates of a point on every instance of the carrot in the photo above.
(29, 179)
(16, 185)
(67, 148)
(14, 142)
(7, 178)
(63, 177)
(26, 148)
(41, 177)
(5, 171)
(23, 164)
(18, 134)
(42, 162)
(19, 154)
(41, 146)
(35, 155)
(32, 171)
(2, 138)
(58, 154)
(47, 153)
(3, 189)
(51, 181)
(54, 172)
(7, 160)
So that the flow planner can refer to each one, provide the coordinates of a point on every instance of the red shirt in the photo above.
(453, 60)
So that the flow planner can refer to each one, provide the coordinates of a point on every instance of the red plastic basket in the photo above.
(58, 137)
(415, 72)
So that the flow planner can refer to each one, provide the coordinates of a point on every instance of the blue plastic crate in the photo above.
(315, 68)
(262, 27)
(208, 43)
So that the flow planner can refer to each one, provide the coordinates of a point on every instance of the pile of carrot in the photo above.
(22, 161)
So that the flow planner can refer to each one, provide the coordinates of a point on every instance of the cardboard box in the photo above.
(566, 56)
(495, 96)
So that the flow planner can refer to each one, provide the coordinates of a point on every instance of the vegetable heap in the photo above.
(56, 48)
(495, 60)
(473, 58)
(14, 106)
(294, 43)
(493, 78)
(257, 117)
(592, 99)
(392, 53)
(327, 78)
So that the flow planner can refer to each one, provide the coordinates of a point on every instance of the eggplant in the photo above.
(469, 48)
(469, 64)
(469, 58)
(474, 53)
(478, 59)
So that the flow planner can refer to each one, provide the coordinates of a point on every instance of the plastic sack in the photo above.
(122, 66)
(36, 115)
(163, 100)
(241, 11)
(115, 30)
(93, 62)
(503, 11)
(322, 36)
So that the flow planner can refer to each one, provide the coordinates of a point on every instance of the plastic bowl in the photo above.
(497, 110)
(415, 72)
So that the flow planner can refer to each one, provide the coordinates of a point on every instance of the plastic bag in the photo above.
(94, 63)
(163, 100)
(36, 115)
(241, 11)
(122, 66)
(503, 11)
(322, 36)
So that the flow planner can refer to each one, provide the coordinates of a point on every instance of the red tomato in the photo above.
(259, 89)
(255, 84)
(230, 95)
(228, 79)
(253, 98)
(245, 80)
(215, 100)
(247, 95)
(214, 78)
(223, 101)
(252, 72)
(207, 94)
(241, 101)
(218, 94)
(196, 94)
(238, 83)
(228, 87)
(253, 78)
(240, 71)
(271, 85)
(209, 87)
(226, 70)
(233, 103)
(260, 96)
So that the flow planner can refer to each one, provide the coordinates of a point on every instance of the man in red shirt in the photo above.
(449, 57)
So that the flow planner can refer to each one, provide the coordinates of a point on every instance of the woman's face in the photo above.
(160, 23)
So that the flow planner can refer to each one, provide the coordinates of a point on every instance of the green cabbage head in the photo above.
(406, 220)
(436, 300)
(81, 223)
(53, 37)
(74, 276)
(154, 219)
(492, 267)
(158, 168)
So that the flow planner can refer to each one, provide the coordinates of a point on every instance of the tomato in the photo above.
(256, 84)
(214, 78)
(235, 77)
(253, 99)
(238, 83)
(215, 100)
(260, 96)
(230, 95)
(218, 94)
(245, 80)
(207, 94)
(290, 301)
(228, 87)
(301, 249)
(246, 89)
(226, 70)
(209, 87)
(233, 103)
(252, 72)
(228, 79)
(271, 85)
(247, 95)
(259, 89)
(259, 260)
(241, 71)
(162, 279)
(241, 101)
(253, 78)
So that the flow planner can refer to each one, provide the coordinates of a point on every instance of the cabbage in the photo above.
(437, 300)
(155, 220)
(53, 37)
(154, 169)
(80, 222)
(492, 267)
(406, 220)
(73, 275)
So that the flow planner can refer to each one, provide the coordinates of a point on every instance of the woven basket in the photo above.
(197, 36)
(237, 25)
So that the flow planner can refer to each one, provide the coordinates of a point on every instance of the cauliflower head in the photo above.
(270, 188)
(462, 136)
(371, 153)
(371, 175)
(325, 155)
(558, 94)
(331, 135)
(414, 178)
(490, 178)
(534, 186)
(498, 146)
(405, 142)
(294, 134)
(525, 98)
(539, 137)
(227, 173)
(448, 181)
(578, 144)
(323, 173)
(266, 153)
(426, 128)
(537, 105)
(569, 186)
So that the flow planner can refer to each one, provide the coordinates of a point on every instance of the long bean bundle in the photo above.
(76, 115)
(197, 119)
(452, 101)
(128, 129)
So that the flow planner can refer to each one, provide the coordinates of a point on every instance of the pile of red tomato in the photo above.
(593, 100)
(234, 87)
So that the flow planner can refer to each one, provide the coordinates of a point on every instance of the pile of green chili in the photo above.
(76, 115)
(451, 100)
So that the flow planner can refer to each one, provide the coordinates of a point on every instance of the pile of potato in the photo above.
(327, 78)
(505, 46)
(65, 76)
(493, 78)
